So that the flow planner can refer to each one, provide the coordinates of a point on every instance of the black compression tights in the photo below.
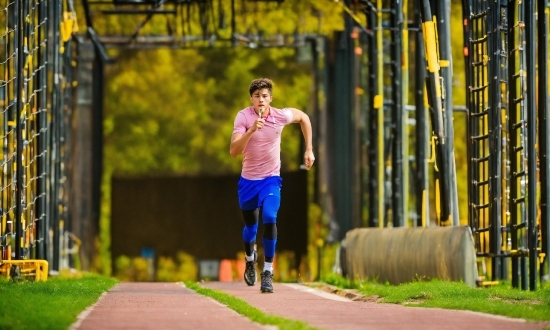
(250, 219)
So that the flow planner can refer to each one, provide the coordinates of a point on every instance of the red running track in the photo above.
(172, 306)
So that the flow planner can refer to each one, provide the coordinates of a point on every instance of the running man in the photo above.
(257, 135)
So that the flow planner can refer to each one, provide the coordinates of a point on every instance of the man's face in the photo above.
(261, 98)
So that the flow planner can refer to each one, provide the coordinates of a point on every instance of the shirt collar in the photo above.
(268, 117)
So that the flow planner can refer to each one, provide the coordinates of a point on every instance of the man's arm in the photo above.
(303, 119)
(239, 141)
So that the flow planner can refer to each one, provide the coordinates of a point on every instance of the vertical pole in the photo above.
(41, 214)
(346, 209)
(434, 96)
(512, 119)
(544, 131)
(356, 127)
(530, 50)
(524, 273)
(373, 151)
(495, 140)
(422, 133)
(93, 229)
(405, 100)
(504, 109)
(379, 102)
(446, 63)
(56, 223)
(20, 58)
(324, 170)
(468, 76)
(397, 116)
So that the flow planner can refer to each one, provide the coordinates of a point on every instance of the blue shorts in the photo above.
(253, 192)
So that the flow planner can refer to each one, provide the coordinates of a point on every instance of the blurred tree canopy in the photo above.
(172, 111)
(169, 111)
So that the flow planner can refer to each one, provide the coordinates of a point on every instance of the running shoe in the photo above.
(250, 271)
(267, 281)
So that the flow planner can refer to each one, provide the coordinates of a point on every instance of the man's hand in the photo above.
(258, 124)
(309, 159)
(239, 141)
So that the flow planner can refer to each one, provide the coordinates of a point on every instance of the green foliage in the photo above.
(185, 126)
(139, 269)
(53, 304)
(339, 281)
(185, 269)
(103, 260)
(321, 256)
(315, 240)
(286, 268)
(265, 18)
(132, 269)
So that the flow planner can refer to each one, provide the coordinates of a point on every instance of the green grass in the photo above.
(56, 303)
(53, 304)
(243, 308)
(498, 300)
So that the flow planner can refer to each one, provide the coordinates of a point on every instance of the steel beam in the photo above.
(530, 50)
(544, 132)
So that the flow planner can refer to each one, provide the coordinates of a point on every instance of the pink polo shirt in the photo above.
(262, 154)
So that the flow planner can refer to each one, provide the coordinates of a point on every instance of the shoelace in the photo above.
(267, 279)
(250, 268)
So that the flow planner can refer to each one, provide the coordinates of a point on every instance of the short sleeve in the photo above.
(289, 116)
(239, 126)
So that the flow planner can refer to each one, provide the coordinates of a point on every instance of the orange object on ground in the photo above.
(226, 271)
(240, 265)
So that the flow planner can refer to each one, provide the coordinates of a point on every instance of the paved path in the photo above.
(172, 306)
(325, 313)
(159, 306)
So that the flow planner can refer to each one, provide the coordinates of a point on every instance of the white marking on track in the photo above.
(317, 292)
(85, 313)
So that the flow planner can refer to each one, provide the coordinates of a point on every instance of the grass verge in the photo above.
(243, 308)
(53, 304)
(497, 300)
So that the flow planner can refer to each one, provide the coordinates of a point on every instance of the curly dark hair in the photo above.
(261, 83)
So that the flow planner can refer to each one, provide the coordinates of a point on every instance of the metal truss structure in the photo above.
(150, 24)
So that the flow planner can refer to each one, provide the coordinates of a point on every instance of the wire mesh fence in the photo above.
(504, 204)
(35, 93)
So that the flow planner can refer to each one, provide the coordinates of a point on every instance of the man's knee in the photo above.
(270, 208)
(270, 231)
(250, 232)
(251, 216)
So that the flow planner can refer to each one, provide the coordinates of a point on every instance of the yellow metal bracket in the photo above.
(432, 156)
(377, 102)
(488, 283)
(36, 269)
